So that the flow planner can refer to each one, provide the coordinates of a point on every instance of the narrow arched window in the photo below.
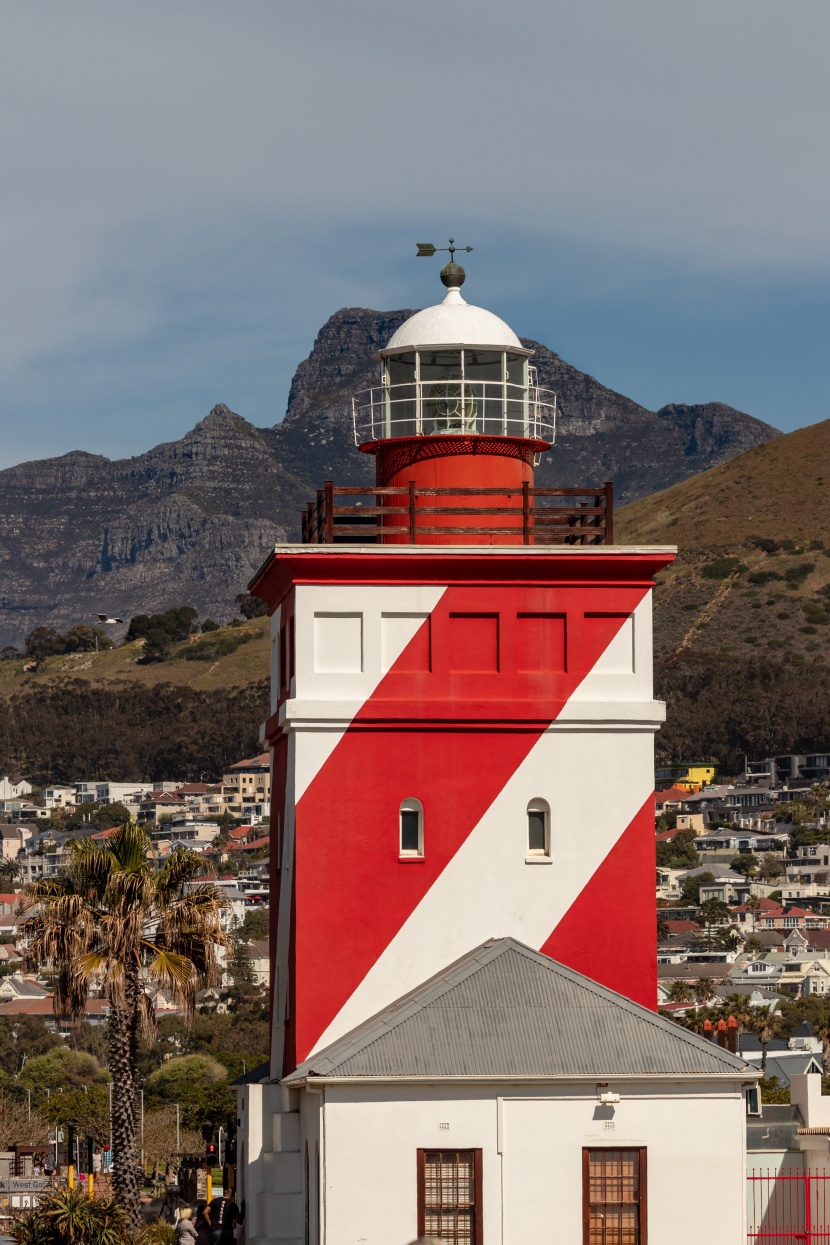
(538, 829)
(411, 828)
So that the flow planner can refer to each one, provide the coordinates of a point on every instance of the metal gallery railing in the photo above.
(373, 514)
(454, 407)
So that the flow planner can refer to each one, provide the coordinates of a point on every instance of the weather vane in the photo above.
(426, 249)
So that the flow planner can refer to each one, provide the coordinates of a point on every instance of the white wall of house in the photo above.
(531, 1137)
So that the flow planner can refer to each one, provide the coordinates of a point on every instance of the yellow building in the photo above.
(689, 777)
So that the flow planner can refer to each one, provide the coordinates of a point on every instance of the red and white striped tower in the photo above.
(462, 710)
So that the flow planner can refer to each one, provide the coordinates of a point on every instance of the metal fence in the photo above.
(788, 1206)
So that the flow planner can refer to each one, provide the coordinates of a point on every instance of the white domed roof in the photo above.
(454, 322)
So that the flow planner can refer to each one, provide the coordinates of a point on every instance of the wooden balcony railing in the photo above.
(397, 514)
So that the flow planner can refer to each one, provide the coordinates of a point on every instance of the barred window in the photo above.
(449, 1195)
(614, 1197)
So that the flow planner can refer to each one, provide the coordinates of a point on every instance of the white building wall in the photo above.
(531, 1141)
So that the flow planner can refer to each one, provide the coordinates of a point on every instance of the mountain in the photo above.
(189, 521)
(753, 572)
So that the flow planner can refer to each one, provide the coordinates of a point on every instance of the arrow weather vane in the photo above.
(426, 249)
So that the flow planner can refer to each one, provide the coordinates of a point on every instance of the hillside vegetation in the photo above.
(753, 569)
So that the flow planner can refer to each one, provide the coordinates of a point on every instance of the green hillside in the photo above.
(753, 570)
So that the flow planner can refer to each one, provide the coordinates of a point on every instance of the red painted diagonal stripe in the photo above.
(353, 893)
(609, 933)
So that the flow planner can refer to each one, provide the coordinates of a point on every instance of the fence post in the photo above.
(412, 512)
(609, 512)
(525, 512)
(329, 512)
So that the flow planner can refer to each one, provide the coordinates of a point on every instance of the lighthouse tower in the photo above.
(464, 1037)
(462, 714)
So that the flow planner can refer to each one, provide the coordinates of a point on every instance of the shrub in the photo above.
(209, 625)
(764, 543)
(216, 646)
(71, 1217)
(796, 575)
(763, 577)
(721, 568)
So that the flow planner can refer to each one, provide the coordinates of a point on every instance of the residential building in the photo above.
(776, 771)
(690, 777)
(259, 957)
(247, 787)
(16, 986)
(96, 1012)
(58, 797)
(111, 792)
(160, 806)
(14, 788)
(13, 840)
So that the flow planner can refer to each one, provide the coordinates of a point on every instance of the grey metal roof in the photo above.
(783, 1067)
(506, 1010)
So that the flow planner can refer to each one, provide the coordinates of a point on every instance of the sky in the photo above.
(191, 188)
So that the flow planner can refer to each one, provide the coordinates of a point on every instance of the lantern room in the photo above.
(456, 425)
(454, 370)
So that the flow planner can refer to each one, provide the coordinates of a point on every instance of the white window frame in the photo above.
(538, 856)
(411, 805)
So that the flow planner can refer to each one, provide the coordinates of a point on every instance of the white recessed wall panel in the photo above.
(618, 658)
(338, 643)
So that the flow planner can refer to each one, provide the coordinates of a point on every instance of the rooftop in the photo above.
(504, 1010)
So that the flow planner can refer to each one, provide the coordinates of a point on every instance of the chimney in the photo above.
(732, 1035)
(708, 1031)
(722, 1033)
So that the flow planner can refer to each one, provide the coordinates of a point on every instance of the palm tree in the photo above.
(705, 990)
(9, 872)
(681, 992)
(109, 918)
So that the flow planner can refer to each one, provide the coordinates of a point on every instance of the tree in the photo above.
(744, 863)
(690, 890)
(255, 924)
(679, 852)
(663, 930)
(753, 946)
(681, 992)
(770, 868)
(713, 912)
(9, 872)
(62, 1068)
(251, 607)
(705, 990)
(110, 918)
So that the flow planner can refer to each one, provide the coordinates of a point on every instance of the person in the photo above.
(223, 1215)
(185, 1230)
(202, 1224)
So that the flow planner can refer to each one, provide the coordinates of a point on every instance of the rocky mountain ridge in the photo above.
(189, 521)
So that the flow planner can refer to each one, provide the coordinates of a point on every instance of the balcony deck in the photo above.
(375, 515)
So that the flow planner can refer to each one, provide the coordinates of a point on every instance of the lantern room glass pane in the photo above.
(484, 384)
(445, 408)
(401, 396)
(516, 405)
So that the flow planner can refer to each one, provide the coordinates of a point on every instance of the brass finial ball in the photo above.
(453, 275)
